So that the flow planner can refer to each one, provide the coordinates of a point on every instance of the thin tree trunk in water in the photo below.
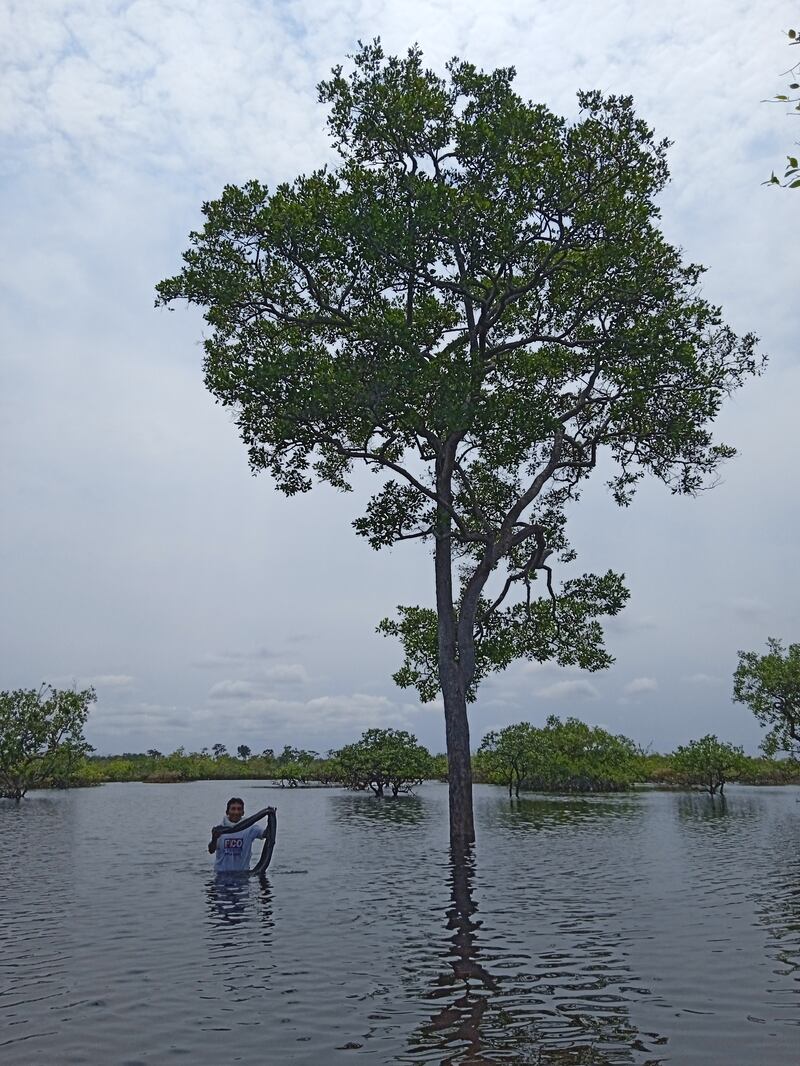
(459, 767)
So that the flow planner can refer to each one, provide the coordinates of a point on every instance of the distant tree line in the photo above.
(42, 746)
(563, 756)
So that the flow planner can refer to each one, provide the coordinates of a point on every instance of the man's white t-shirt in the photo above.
(233, 850)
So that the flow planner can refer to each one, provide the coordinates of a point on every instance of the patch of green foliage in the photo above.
(567, 756)
(41, 738)
(709, 763)
(384, 759)
(770, 686)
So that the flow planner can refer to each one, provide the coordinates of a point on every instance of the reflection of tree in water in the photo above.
(745, 850)
(700, 807)
(366, 810)
(494, 1017)
(733, 805)
(720, 819)
(777, 899)
(556, 812)
(459, 1020)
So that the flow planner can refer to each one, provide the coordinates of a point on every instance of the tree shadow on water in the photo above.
(362, 809)
(699, 807)
(487, 1011)
(559, 811)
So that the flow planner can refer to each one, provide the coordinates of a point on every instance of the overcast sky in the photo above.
(138, 554)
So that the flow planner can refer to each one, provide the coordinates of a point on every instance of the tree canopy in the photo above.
(477, 303)
(770, 686)
(383, 759)
(41, 736)
(708, 763)
(568, 756)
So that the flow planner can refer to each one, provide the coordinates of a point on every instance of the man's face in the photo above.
(235, 812)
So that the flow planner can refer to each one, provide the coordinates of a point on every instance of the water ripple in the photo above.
(633, 929)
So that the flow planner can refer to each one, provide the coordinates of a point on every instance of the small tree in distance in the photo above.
(568, 756)
(509, 755)
(41, 736)
(770, 686)
(384, 759)
(244, 752)
(709, 763)
(477, 303)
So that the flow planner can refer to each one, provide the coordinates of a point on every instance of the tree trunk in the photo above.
(459, 766)
(459, 769)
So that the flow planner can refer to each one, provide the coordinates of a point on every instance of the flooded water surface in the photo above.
(644, 928)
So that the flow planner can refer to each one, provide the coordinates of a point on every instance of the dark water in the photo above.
(649, 928)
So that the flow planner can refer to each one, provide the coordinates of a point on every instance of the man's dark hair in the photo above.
(233, 799)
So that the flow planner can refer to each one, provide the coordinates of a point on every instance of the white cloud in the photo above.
(214, 659)
(364, 711)
(564, 690)
(233, 690)
(258, 686)
(702, 679)
(533, 667)
(747, 607)
(319, 721)
(436, 705)
(630, 622)
(111, 681)
(261, 721)
(640, 685)
(287, 674)
(149, 719)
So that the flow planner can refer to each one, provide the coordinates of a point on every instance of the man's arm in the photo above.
(212, 844)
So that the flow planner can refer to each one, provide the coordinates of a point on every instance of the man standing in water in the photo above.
(232, 850)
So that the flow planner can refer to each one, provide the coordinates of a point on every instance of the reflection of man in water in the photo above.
(232, 850)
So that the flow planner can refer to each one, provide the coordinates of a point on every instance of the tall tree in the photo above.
(476, 302)
(770, 686)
